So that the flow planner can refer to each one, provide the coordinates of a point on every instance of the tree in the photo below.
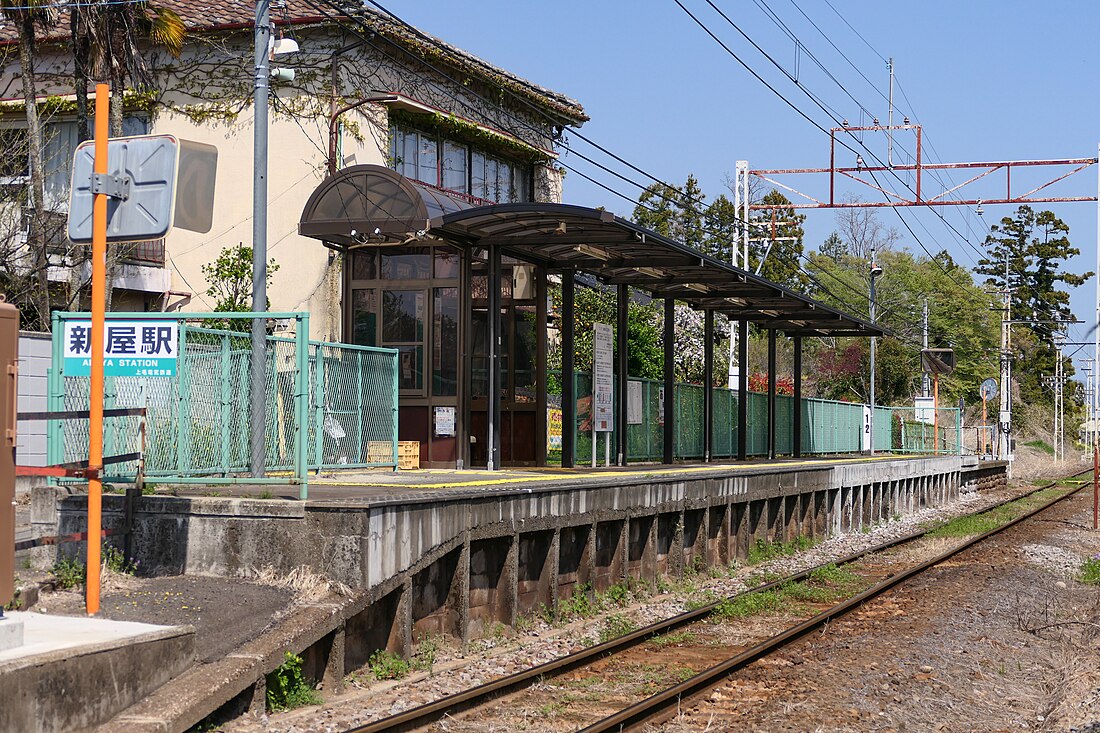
(116, 33)
(676, 213)
(783, 247)
(723, 227)
(29, 16)
(1033, 246)
(657, 208)
(861, 231)
(645, 352)
(108, 39)
(959, 318)
(689, 220)
(230, 278)
(833, 247)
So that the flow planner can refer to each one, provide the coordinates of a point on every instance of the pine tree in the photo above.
(1033, 246)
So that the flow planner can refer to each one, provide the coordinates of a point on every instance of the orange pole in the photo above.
(95, 393)
(935, 413)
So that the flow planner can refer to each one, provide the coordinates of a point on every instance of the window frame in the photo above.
(523, 189)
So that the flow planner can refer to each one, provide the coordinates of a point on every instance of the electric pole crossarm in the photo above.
(860, 170)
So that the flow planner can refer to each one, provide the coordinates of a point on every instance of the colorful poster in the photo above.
(553, 429)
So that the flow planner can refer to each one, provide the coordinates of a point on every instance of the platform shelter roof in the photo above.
(370, 205)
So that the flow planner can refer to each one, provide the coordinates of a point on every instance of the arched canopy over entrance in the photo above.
(367, 204)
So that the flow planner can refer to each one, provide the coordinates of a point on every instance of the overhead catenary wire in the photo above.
(599, 147)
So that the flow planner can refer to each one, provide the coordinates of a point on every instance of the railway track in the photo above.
(709, 667)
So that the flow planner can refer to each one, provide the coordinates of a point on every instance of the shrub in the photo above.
(69, 573)
(116, 562)
(287, 687)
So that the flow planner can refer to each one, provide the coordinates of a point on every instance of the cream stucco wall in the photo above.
(308, 277)
(205, 96)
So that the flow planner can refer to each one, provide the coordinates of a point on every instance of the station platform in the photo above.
(384, 486)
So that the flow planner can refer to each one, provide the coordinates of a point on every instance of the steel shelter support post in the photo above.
(301, 404)
(669, 453)
(621, 371)
(796, 409)
(568, 377)
(771, 394)
(742, 390)
(708, 385)
(493, 402)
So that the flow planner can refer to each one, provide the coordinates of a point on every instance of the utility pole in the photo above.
(890, 119)
(741, 203)
(1087, 368)
(1059, 402)
(1095, 403)
(258, 370)
(876, 271)
(1057, 386)
(1004, 419)
(925, 382)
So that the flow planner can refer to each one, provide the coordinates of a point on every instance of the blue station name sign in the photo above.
(130, 348)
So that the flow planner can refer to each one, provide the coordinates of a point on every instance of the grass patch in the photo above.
(826, 584)
(769, 601)
(757, 579)
(287, 687)
(386, 665)
(1041, 445)
(673, 638)
(585, 603)
(1090, 571)
(975, 524)
(706, 598)
(616, 625)
(651, 678)
(115, 561)
(762, 550)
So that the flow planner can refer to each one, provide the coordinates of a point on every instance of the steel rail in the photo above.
(654, 706)
(430, 712)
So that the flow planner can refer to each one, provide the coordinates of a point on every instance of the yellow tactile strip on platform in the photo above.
(561, 474)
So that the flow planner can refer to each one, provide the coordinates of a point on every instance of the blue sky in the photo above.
(988, 81)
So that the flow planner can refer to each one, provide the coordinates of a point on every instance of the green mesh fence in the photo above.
(925, 430)
(339, 411)
(828, 427)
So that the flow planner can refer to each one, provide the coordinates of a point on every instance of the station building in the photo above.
(415, 203)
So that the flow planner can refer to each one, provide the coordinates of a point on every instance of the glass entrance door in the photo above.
(522, 366)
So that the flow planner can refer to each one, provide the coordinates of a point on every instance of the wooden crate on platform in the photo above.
(408, 455)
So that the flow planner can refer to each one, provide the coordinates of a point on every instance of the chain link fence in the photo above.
(327, 405)
(828, 427)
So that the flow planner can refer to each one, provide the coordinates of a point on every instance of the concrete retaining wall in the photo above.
(462, 563)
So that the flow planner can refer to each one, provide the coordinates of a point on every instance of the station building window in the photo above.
(455, 166)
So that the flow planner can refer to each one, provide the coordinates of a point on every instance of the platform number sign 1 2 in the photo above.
(130, 348)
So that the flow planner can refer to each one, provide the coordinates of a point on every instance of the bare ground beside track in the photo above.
(998, 639)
